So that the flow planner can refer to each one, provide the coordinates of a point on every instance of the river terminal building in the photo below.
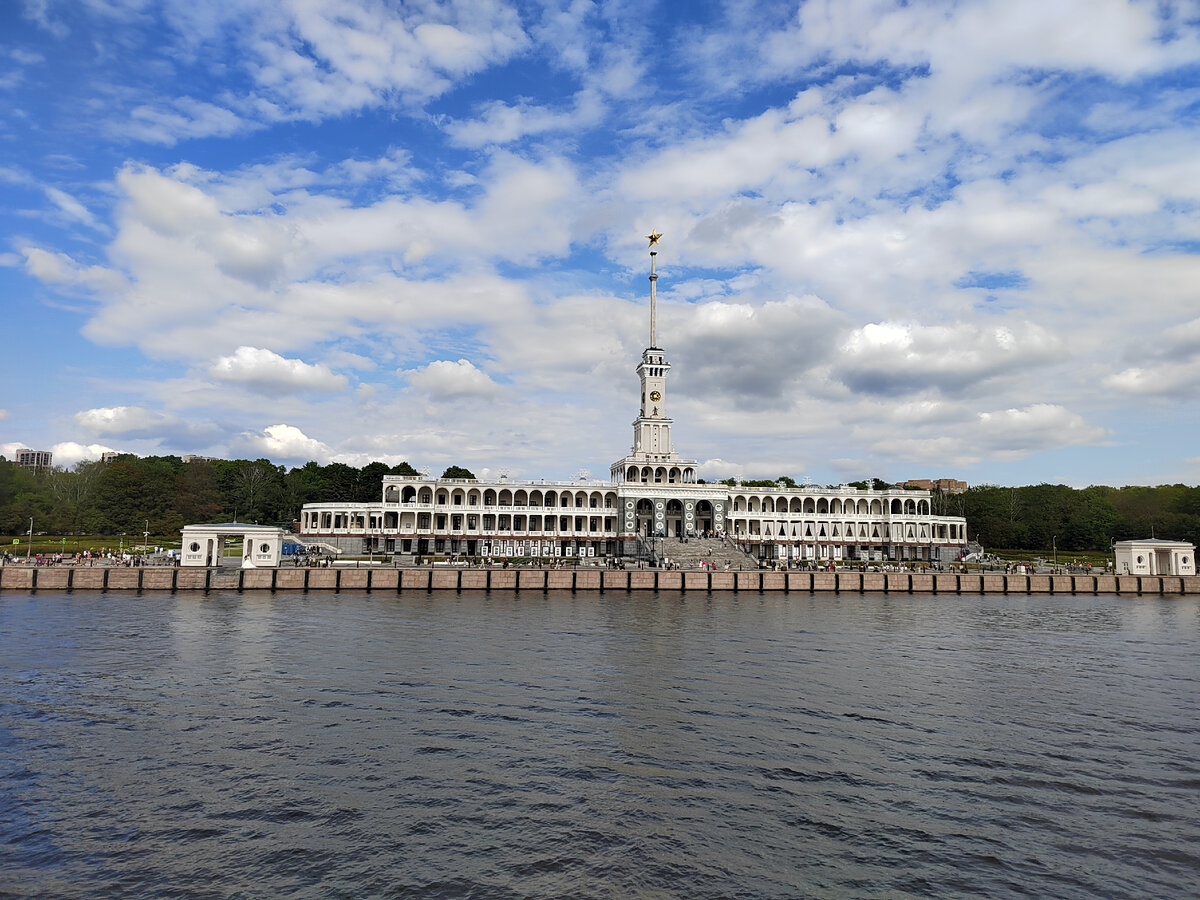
(652, 504)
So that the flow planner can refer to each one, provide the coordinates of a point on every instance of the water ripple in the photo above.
(560, 745)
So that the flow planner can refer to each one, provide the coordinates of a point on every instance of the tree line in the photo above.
(160, 494)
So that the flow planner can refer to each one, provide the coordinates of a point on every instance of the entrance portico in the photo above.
(204, 545)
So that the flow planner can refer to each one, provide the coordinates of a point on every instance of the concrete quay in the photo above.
(70, 578)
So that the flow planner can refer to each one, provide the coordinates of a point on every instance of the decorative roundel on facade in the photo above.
(718, 518)
(629, 504)
(688, 516)
(658, 505)
(193, 546)
(264, 548)
(688, 505)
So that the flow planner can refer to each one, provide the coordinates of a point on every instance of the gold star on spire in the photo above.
(653, 237)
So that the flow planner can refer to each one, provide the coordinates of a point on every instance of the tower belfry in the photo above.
(652, 459)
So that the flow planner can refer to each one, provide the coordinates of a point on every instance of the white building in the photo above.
(1154, 556)
(34, 459)
(204, 545)
(652, 493)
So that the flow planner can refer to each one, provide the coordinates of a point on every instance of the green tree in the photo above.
(458, 472)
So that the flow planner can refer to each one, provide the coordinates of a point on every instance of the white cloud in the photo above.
(68, 453)
(324, 57)
(266, 371)
(58, 268)
(71, 207)
(1016, 433)
(501, 122)
(3, 414)
(282, 443)
(126, 421)
(446, 380)
(893, 359)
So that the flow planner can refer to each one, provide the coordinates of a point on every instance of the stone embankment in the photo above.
(69, 578)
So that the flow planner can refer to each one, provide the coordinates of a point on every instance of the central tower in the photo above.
(652, 459)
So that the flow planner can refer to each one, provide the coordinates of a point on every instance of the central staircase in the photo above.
(713, 551)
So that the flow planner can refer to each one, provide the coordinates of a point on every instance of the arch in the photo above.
(426, 495)
(768, 504)
(489, 497)
(660, 475)
(876, 508)
(753, 505)
(610, 500)
(863, 508)
(409, 494)
(835, 506)
(535, 498)
(645, 516)
(923, 508)
(810, 505)
(443, 497)
(504, 498)
(458, 496)
(521, 498)
(795, 505)
(910, 507)
(551, 498)
(897, 507)
(631, 474)
(823, 506)
(674, 518)
(689, 475)
(391, 494)
(647, 474)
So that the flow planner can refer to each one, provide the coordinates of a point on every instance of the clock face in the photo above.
(655, 396)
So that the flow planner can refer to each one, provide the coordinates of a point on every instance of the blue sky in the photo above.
(900, 239)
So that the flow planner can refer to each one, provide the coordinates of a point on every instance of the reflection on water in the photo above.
(546, 745)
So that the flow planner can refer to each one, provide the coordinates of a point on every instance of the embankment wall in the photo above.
(69, 578)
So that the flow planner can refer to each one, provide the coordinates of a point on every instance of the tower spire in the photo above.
(653, 237)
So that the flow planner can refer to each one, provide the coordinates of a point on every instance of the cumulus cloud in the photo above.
(750, 354)
(126, 421)
(284, 443)
(1007, 435)
(58, 268)
(157, 427)
(1170, 364)
(894, 359)
(69, 453)
(446, 380)
(268, 372)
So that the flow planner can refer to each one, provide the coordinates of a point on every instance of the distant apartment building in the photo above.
(942, 485)
(34, 459)
(196, 457)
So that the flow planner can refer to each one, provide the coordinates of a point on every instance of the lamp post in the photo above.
(29, 546)
(1054, 548)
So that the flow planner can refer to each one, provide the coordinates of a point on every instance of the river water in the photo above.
(559, 745)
